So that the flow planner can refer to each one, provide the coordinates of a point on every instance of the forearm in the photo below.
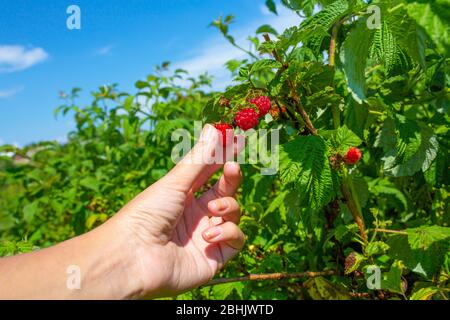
(100, 256)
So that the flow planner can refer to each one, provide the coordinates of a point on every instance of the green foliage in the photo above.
(387, 94)
(304, 163)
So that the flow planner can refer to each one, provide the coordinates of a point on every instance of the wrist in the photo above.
(108, 266)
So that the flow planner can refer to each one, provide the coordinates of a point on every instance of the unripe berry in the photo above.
(275, 113)
(352, 156)
(224, 102)
(246, 119)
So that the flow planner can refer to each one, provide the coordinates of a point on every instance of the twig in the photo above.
(390, 231)
(298, 103)
(332, 49)
(353, 206)
(272, 276)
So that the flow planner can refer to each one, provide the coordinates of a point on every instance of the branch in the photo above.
(332, 49)
(353, 206)
(390, 231)
(298, 103)
(271, 276)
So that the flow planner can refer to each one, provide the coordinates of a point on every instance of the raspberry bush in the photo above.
(363, 176)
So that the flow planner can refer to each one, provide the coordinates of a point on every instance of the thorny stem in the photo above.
(332, 49)
(347, 185)
(390, 231)
(272, 276)
(353, 205)
(298, 103)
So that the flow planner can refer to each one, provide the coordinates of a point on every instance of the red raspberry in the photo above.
(263, 104)
(224, 131)
(352, 156)
(246, 118)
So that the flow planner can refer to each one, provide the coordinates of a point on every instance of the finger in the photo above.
(199, 162)
(227, 185)
(227, 208)
(228, 233)
(221, 157)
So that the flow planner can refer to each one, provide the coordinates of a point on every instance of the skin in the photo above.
(165, 241)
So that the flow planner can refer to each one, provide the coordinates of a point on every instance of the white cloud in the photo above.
(6, 93)
(15, 57)
(213, 54)
(104, 50)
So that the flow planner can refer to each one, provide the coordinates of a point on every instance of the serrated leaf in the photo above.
(304, 162)
(415, 150)
(316, 27)
(344, 138)
(354, 53)
(376, 248)
(425, 262)
(423, 237)
(433, 17)
(264, 64)
(222, 291)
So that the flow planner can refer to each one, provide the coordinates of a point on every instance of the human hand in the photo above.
(176, 240)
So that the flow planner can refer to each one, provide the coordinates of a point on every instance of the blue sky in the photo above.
(119, 42)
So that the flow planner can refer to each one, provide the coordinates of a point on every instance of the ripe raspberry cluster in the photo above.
(352, 156)
(263, 104)
(246, 118)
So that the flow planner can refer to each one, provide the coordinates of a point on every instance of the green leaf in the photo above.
(415, 150)
(266, 29)
(222, 291)
(315, 28)
(424, 293)
(376, 248)
(423, 237)
(6, 222)
(264, 64)
(379, 187)
(392, 280)
(321, 289)
(422, 251)
(384, 47)
(433, 16)
(304, 163)
(343, 138)
(387, 137)
(142, 84)
(29, 211)
(355, 117)
(354, 53)
(90, 183)
(270, 4)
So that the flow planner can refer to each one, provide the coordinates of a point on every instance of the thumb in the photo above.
(199, 164)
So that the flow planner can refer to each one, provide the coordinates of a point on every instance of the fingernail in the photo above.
(212, 233)
(219, 205)
(213, 206)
